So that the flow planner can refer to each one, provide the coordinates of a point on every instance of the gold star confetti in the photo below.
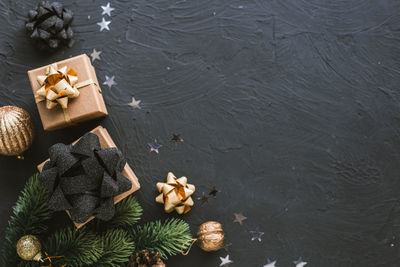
(239, 218)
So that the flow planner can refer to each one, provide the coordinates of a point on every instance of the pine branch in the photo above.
(79, 247)
(168, 238)
(29, 216)
(127, 213)
(118, 247)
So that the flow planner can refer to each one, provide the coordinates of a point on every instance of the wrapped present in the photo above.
(67, 92)
(87, 177)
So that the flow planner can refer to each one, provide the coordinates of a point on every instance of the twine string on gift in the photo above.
(58, 86)
(193, 240)
(79, 85)
(49, 259)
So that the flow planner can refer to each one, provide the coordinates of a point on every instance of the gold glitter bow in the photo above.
(58, 86)
(175, 194)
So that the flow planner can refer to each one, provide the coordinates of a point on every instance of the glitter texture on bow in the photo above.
(57, 86)
(175, 194)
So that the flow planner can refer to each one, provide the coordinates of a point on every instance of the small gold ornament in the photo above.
(29, 248)
(16, 131)
(210, 236)
(175, 194)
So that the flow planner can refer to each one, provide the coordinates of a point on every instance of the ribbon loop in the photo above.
(175, 194)
(58, 86)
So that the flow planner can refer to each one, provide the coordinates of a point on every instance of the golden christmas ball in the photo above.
(29, 248)
(16, 131)
(210, 236)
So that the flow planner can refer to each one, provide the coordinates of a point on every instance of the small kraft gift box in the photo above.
(67, 93)
(75, 191)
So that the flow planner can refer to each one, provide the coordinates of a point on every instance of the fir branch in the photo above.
(117, 246)
(127, 213)
(79, 247)
(168, 238)
(29, 216)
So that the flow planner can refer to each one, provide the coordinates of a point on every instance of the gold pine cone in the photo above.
(210, 236)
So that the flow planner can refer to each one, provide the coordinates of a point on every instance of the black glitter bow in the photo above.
(83, 178)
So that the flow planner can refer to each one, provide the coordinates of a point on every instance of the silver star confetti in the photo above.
(300, 262)
(110, 81)
(135, 104)
(95, 55)
(270, 263)
(107, 9)
(256, 235)
(104, 24)
(154, 146)
(225, 261)
(239, 218)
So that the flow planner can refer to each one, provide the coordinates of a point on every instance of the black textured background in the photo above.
(291, 108)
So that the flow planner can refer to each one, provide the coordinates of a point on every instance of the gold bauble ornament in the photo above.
(16, 131)
(29, 248)
(210, 236)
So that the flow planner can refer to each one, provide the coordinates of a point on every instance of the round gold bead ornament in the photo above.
(16, 131)
(210, 236)
(29, 248)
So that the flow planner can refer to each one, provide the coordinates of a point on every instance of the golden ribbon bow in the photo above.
(175, 194)
(58, 86)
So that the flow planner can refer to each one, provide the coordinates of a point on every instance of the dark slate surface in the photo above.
(291, 108)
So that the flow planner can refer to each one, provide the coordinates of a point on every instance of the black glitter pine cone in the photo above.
(144, 258)
(49, 25)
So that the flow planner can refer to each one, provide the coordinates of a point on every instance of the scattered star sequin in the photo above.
(135, 104)
(104, 24)
(239, 218)
(107, 9)
(176, 138)
(225, 261)
(154, 146)
(270, 263)
(213, 191)
(203, 199)
(300, 262)
(95, 55)
(256, 235)
(110, 81)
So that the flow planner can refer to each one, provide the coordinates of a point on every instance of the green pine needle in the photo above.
(97, 244)
(127, 213)
(29, 216)
(79, 247)
(168, 238)
(118, 246)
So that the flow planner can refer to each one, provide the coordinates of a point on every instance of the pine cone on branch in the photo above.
(49, 25)
(144, 258)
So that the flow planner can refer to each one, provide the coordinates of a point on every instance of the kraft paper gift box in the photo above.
(107, 142)
(88, 105)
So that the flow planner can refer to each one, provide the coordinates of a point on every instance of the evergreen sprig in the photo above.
(30, 214)
(127, 213)
(77, 246)
(96, 244)
(168, 238)
(117, 247)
